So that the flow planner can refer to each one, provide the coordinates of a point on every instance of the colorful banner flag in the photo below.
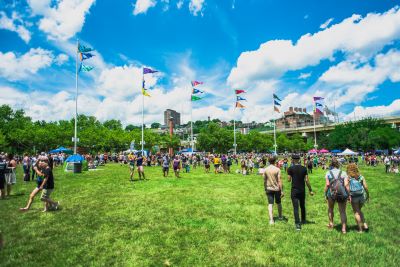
(84, 56)
(85, 68)
(276, 97)
(239, 91)
(194, 83)
(318, 104)
(277, 103)
(144, 92)
(84, 49)
(276, 109)
(239, 105)
(147, 70)
(196, 98)
(238, 98)
(197, 91)
(316, 98)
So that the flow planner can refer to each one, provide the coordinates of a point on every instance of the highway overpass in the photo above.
(307, 131)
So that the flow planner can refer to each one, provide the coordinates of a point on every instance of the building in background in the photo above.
(298, 117)
(173, 115)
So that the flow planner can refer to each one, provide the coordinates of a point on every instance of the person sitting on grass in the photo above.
(165, 165)
(139, 164)
(336, 190)
(359, 195)
(47, 187)
(273, 188)
(298, 176)
(177, 166)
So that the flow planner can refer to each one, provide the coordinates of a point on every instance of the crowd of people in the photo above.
(341, 186)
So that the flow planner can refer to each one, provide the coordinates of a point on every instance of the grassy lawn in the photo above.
(199, 220)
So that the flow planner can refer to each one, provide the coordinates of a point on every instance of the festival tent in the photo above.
(61, 149)
(347, 152)
(324, 151)
(397, 152)
(336, 151)
(75, 158)
(313, 151)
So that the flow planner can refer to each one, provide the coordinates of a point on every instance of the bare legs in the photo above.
(342, 211)
(359, 216)
(30, 200)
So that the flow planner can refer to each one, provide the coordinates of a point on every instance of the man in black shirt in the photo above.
(298, 175)
(3, 167)
(48, 187)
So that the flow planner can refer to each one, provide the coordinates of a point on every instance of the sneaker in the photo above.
(298, 226)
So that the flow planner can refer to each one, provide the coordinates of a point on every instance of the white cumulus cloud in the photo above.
(142, 6)
(326, 24)
(15, 24)
(355, 35)
(15, 67)
(196, 7)
(61, 19)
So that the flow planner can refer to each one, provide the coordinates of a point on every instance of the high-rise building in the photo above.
(172, 114)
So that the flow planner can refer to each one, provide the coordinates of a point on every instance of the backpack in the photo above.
(336, 186)
(356, 187)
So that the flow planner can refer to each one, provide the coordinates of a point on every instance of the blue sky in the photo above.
(345, 51)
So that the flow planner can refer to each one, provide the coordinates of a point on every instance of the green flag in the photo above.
(85, 68)
(195, 98)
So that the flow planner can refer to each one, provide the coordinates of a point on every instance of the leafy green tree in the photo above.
(155, 125)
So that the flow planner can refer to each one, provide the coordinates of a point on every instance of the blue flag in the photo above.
(85, 56)
(84, 49)
(277, 103)
(197, 91)
(276, 97)
(147, 70)
(238, 98)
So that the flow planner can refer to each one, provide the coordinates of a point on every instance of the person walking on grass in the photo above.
(337, 190)
(298, 176)
(206, 163)
(139, 163)
(47, 187)
(165, 165)
(131, 159)
(359, 195)
(3, 167)
(39, 180)
(177, 166)
(11, 176)
(273, 188)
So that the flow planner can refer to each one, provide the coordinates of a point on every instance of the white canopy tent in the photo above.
(348, 152)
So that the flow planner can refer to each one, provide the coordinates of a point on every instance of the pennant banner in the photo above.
(196, 98)
(194, 83)
(197, 91)
(239, 105)
(84, 49)
(239, 98)
(84, 56)
(239, 91)
(85, 68)
(276, 97)
(144, 92)
(276, 109)
(316, 98)
(147, 70)
(277, 103)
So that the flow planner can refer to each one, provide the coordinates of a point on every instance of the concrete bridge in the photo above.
(307, 131)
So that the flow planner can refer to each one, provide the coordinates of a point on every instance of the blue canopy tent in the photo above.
(397, 152)
(75, 158)
(336, 151)
(61, 149)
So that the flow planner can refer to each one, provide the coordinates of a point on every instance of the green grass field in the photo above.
(198, 220)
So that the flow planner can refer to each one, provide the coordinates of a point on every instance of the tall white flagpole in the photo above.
(76, 98)
(234, 130)
(315, 133)
(191, 125)
(142, 116)
(273, 112)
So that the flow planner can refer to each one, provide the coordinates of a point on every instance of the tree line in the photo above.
(19, 134)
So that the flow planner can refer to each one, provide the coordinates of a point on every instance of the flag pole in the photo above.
(191, 125)
(315, 133)
(273, 112)
(142, 116)
(234, 130)
(76, 98)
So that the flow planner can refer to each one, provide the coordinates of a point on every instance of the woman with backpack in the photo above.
(337, 190)
(359, 194)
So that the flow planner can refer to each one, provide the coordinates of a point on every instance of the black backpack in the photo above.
(336, 186)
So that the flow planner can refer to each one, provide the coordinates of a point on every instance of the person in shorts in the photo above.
(273, 188)
(165, 165)
(47, 187)
(39, 179)
(176, 164)
(139, 163)
(206, 163)
(357, 202)
(131, 159)
(217, 163)
(337, 174)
